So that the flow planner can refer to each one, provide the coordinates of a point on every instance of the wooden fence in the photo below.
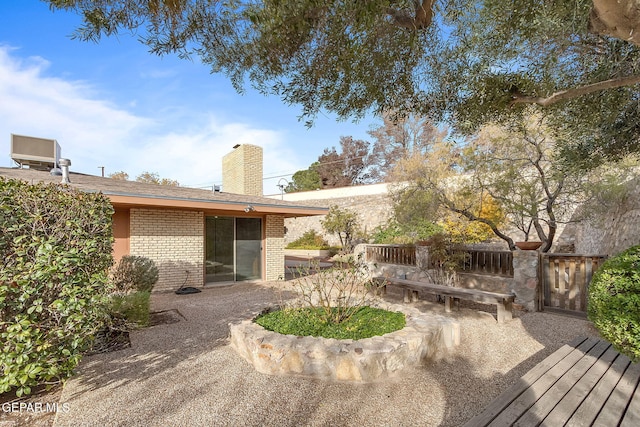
(392, 254)
(491, 262)
(497, 263)
(565, 279)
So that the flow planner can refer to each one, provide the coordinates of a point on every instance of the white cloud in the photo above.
(198, 154)
(93, 132)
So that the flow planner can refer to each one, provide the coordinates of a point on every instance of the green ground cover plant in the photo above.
(333, 303)
(366, 322)
(614, 302)
(133, 279)
(309, 240)
(56, 250)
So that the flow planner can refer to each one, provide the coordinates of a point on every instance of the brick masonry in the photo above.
(174, 239)
(274, 247)
(242, 171)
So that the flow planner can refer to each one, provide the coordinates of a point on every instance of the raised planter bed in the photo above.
(370, 359)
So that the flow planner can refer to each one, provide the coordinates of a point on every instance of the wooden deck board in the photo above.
(562, 387)
(590, 407)
(614, 408)
(584, 383)
(535, 391)
(567, 407)
(504, 400)
(632, 417)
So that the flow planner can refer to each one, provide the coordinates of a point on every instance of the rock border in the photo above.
(424, 336)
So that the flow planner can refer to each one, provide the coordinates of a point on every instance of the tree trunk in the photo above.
(616, 18)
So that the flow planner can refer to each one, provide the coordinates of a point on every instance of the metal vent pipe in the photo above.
(64, 165)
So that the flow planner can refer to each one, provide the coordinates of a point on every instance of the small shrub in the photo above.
(344, 223)
(309, 240)
(366, 322)
(338, 292)
(614, 302)
(135, 273)
(133, 308)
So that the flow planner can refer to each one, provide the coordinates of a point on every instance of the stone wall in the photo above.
(377, 358)
(615, 229)
(174, 239)
(612, 230)
(370, 202)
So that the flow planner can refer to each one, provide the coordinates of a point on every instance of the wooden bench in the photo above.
(410, 288)
(584, 383)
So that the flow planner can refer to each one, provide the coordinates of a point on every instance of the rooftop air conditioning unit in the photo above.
(37, 153)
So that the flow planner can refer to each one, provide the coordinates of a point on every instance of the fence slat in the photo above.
(499, 263)
(573, 285)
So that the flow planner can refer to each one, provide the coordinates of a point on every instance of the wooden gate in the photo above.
(565, 279)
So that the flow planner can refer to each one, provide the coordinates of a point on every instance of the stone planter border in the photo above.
(424, 336)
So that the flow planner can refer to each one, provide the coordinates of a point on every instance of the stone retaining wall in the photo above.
(370, 359)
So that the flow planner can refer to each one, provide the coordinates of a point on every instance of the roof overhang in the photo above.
(212, 206)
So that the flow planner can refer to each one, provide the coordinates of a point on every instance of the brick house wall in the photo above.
(274, 247)
(174, 239)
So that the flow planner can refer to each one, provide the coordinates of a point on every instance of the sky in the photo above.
(113, 104)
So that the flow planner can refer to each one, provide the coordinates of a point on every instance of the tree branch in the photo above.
(575, 92)
(421, 19)
(471, 217)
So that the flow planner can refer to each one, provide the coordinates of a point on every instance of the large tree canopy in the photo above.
(509, 179)
(469, 62)
(399, 138)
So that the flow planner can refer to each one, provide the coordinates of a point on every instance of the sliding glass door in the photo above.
(233, 249)
(248, 245)
(219, 265)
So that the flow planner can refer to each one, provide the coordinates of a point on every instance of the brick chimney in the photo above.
(242, 170)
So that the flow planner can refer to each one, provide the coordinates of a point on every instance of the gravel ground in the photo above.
(185, 374)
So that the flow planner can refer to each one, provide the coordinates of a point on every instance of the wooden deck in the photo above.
(584, 383)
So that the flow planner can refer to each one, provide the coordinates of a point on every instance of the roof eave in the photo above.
(123, 200)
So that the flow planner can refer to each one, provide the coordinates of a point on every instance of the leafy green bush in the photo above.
(614, 302)
(366, 322)
(135, 273)
(56, 246)
(396, 233)
(344, 223)
(133, 308)
(309, 240)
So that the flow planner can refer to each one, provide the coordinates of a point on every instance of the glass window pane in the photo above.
(248, 248)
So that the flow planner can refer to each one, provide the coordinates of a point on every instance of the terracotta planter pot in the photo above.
(528, 246)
